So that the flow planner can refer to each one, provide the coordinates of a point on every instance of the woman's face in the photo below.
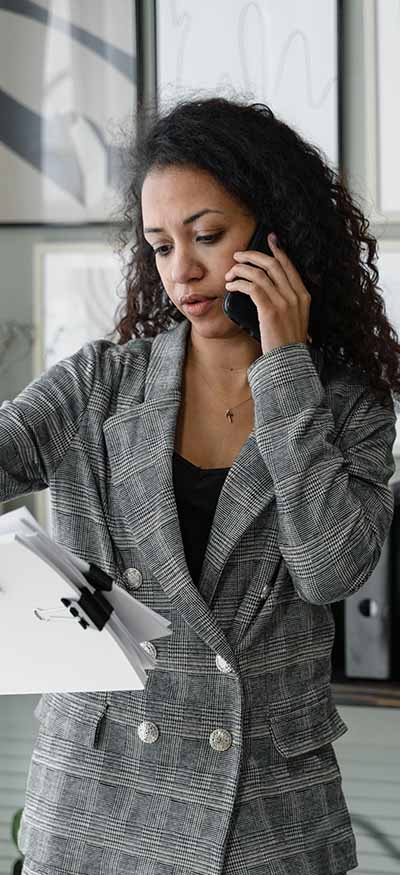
(199, 226)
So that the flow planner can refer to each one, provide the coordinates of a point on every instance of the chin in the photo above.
(213, 328)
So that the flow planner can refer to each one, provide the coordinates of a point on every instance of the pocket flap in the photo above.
(307, 729)
(71, 716)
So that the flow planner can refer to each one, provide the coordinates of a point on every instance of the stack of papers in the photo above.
(64, 624)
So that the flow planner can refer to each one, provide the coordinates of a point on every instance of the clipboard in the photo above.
(65, 626)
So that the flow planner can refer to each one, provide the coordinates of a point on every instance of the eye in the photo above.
(159, 252)
(207, 239)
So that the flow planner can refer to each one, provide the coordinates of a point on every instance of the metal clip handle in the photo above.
(91, 609)
(50, 614)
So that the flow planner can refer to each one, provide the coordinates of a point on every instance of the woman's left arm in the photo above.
(334, 504)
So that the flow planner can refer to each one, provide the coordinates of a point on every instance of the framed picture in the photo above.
(284, 54)
(382, 72)
(389, 282)
(66, 88)
(389, 278)
(77, 290)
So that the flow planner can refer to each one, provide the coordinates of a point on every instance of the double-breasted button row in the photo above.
(133, 578)
(220, 739)
(148, 647)
(148, 731)
(222, 664)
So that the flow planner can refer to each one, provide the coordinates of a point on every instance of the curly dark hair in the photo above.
(287, 183)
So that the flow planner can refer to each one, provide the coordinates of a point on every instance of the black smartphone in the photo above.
(238, 306)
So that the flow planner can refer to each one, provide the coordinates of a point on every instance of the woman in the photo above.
(237, 486)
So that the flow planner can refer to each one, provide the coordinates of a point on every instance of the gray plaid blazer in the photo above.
(224, 763)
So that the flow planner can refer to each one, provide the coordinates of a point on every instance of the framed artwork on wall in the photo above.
(77, 291)
(389, 278)
(284, 54)
(66, 88)
(382, 86)
(389, 282)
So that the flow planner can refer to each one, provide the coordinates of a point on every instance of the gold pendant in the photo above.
(229, 415)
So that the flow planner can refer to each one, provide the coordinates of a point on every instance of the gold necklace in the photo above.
(228, 412)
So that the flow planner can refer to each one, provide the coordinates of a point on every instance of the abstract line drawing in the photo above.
(283, 54)
(59, 123)
(246, 49)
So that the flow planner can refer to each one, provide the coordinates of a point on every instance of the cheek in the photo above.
(169, 291)
(164, 280)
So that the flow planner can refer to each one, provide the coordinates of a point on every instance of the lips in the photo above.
(195, 299)
(199, 308)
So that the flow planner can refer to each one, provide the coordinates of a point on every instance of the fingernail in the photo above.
(274, 239)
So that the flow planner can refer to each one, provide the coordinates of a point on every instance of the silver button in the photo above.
(148, 731)
(265, 590)
(220, 739)
(132, 577)
(149, 647)
(222, 664)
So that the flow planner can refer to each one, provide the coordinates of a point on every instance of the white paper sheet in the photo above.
(43, 648)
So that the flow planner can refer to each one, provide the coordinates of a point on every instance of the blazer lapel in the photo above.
(140, 444)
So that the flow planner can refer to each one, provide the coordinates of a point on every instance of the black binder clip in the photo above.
(92, 609)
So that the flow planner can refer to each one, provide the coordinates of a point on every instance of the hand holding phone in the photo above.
(238, 306)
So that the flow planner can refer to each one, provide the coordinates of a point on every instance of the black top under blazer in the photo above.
(224, 763)
(196, 494)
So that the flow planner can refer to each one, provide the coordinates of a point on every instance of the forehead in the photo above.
(178, 187)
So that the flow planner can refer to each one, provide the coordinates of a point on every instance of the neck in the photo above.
(222, 363)
(223, 355)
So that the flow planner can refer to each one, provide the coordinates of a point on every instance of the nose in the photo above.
(183, 266)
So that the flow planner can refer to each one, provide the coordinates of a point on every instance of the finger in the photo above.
(268, 264)
(287, 265)
(279, 265)
(259, 275)
(256, 292)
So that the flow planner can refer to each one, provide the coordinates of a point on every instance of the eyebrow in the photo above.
(185, 221)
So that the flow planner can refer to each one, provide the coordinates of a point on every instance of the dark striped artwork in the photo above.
(67, 85)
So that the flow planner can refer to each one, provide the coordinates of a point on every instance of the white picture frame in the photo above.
(68, 85)
(72, 284)
(388, 264)
(284, 54)
(381, 23)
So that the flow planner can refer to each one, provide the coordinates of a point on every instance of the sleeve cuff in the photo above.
(285, 381)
